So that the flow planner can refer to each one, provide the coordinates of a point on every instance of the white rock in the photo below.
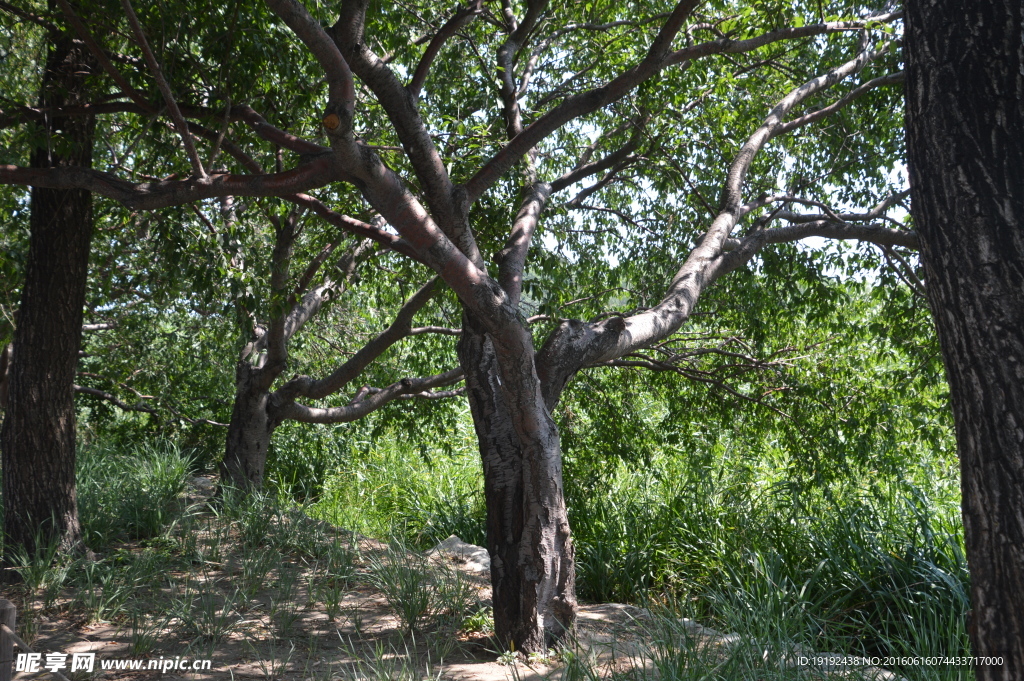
(466, 556)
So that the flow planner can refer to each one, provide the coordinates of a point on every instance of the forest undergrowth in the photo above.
(869, 564)
(870, 567)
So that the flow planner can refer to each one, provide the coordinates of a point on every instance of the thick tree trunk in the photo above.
(528, 538)
(5, 365)
(965, 136)
(38, 436)
(249, 431)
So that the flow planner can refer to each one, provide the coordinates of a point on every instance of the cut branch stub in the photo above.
(332, 121)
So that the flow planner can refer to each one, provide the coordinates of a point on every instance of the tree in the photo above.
(38, 437)
(569, 110)
(965, 85)
(258, 410)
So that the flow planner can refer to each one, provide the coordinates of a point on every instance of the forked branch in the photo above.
(708, 261)
(307, 387)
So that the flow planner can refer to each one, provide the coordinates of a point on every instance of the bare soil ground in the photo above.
(366, 640)
(286, 629)
(263, 636)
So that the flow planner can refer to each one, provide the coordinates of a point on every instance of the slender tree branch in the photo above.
(94, 392)
(238, 112)
(906, 274)
(357, 227)
(165, 89)
(317, 172)
(583, 171)
(730, 46)
(607, 26)
(30, 16)
(374, 399)
(305, 386)
(314, 266)
(829, 229)
(873, 214)
(101, 57)
(890, 79)
(587, 192)
(444, 331)
(273, 134)
(303, 311)
(463, 15)
(434, 394)
(581, 104)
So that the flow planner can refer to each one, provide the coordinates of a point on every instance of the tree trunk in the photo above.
(38, 435)
(965, 137)
(5, 365)
(528, 538)
(249, 431)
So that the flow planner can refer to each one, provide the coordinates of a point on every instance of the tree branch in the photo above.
(101, 57)
(375, 399)
(829, 229)
(849, 97)
(280, 262)
(116, 402)
(317, 172)
(707, 262)
(357, 227)
(730, 46)
(237, 112)
(341, 86)
(444, 331)
(463, 15)
(512, 259)
(506, 55)
(304, 386)
(580, 105)
(657, 59)
(30, 16)
(441, 196)
(165, 90)
(612, 160)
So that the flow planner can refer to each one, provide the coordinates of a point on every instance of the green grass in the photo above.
(867, 565)
(129, 493)
(879, 567)
(388, 490)
(871, 564)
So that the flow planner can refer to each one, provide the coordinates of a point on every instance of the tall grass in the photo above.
(131, 493)
(871, 564)
(878, 567)
(388, 490)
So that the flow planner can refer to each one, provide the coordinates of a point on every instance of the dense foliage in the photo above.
(797, 443)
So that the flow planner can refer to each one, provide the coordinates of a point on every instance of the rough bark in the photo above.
(528, 538)
(965, 85)
(249, 431)
(5, 365)
(38, 437)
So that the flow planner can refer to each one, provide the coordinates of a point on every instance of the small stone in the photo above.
(466, 556)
